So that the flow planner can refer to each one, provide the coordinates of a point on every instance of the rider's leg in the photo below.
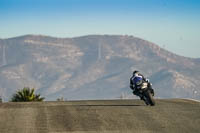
(137, 93)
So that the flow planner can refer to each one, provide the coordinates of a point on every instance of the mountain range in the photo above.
(93, 67)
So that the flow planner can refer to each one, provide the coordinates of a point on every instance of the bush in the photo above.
(1, 100)
(26, 95)
(60, 99)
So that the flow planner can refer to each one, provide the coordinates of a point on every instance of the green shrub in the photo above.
(26, 95)
(60, 99)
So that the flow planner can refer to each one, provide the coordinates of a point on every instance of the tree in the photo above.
(1, 100)
(26, 95)
(60, 99)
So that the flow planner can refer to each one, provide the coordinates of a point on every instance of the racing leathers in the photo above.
(134, 85)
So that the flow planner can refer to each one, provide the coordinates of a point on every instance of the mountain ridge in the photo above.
(85, 67)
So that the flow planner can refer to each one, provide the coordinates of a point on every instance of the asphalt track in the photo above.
(103, 116)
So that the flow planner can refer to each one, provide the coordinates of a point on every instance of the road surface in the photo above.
(103, 116)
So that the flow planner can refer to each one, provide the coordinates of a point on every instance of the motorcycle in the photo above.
(146, 93)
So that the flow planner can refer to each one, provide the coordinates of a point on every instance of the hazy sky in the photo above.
(173, 24)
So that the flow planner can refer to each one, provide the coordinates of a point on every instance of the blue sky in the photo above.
(172, 24)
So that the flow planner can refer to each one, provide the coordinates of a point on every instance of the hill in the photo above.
(112, 116)
(93, 67)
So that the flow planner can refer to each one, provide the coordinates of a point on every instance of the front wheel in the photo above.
(150, 98)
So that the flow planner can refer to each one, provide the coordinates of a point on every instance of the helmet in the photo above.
(135, 72)
(137, 80)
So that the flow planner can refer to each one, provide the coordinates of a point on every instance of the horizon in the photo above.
(173, 25)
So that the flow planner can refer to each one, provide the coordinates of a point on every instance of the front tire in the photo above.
(150, 98)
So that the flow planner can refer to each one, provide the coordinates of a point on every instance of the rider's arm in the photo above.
(145, 79)
(131, 85)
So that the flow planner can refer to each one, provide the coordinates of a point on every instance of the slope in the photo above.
(93, 67)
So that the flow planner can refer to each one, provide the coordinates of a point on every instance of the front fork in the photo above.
(151, 89)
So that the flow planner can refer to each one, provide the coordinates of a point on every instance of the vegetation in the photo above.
(26, 95)
(60, 99)
(1, 100)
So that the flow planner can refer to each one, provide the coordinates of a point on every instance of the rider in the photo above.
(136, 80)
